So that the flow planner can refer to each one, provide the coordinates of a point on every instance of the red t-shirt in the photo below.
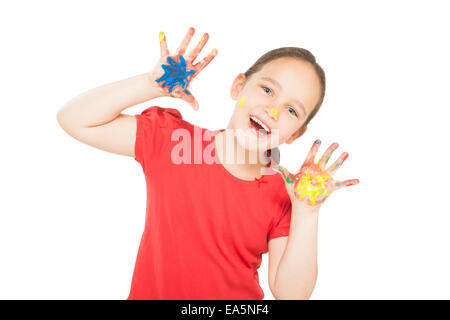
(205, 229)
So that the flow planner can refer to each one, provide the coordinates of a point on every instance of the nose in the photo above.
(272, 112)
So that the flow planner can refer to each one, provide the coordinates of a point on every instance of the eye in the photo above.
(264, 88)
(292, 111)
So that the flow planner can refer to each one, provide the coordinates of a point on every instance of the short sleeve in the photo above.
(154, 127)
(281, 227)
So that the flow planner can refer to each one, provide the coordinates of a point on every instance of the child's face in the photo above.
(282, 104)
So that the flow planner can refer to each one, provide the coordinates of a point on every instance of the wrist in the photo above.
(152, 86)
(304, 209)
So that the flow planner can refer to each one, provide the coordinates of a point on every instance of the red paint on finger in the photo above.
(352, 182)
(345, 157)
(340, 161)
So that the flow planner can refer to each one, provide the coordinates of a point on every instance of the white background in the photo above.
(71, 216)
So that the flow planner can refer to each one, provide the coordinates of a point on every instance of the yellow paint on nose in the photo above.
(161, 36)
(241, 102)
(273, 112)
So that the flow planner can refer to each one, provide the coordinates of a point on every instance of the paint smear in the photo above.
(241, 102)
(161, 36)
(312, 186)
(285, 176)
(175, 74)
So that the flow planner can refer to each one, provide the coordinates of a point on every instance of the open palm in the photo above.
(174, 73)
(312, 184)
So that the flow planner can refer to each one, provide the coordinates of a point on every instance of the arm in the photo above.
(296, 274)
(103, 104)
(95, 117)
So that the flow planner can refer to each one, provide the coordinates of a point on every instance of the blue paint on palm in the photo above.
(175, 74)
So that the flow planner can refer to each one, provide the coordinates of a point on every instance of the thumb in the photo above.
(287, 176)
(189, 98)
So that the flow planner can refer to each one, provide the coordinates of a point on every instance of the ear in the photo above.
(296, 135)
(237, 86)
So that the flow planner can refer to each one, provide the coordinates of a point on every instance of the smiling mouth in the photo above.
(260, 127)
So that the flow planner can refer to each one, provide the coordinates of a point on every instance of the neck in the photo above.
(243, 163)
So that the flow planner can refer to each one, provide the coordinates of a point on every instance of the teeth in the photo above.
(260, 123)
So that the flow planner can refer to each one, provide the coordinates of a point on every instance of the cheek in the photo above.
(288, 127)
(254, 98)
(277, 138)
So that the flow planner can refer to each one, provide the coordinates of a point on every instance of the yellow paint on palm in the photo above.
(312, 186)
(241, 102)
(161, 36)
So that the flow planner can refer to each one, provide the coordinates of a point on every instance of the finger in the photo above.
(189, 98)
(194, 53)
(179, 92)
(199, 66)
(287, 176)
(346, 183)
(310, 157)
(163, 44)
(326, 156)
(337, 164)
(182, 48)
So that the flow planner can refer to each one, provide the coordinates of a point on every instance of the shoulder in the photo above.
(163, 117)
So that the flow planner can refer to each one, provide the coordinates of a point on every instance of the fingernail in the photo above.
(317, 141)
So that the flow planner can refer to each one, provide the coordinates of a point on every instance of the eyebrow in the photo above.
(275, 82)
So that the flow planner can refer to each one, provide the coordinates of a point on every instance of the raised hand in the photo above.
(174, 73)
(312, 184)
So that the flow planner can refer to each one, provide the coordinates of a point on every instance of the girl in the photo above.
(211, 215)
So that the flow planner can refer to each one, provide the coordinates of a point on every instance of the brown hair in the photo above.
(294, 52)
(298, 53)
